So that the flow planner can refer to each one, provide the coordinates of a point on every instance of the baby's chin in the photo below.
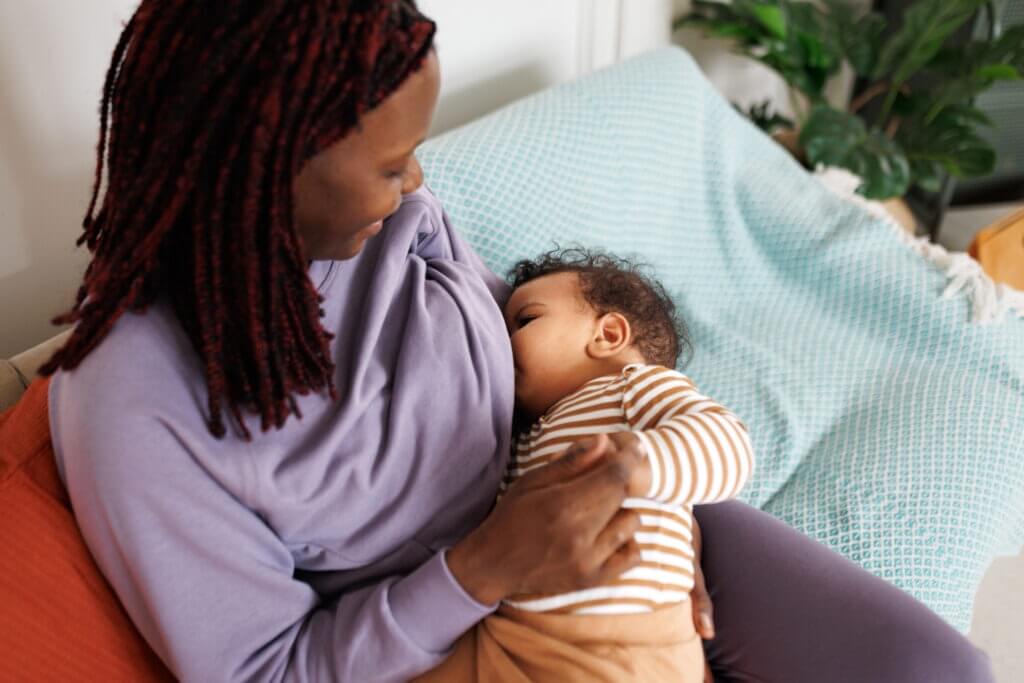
(528, 409)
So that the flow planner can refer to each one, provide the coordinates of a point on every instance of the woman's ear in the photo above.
(612, 335)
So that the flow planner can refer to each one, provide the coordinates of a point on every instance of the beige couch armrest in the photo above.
(16, 373)
(11, 384)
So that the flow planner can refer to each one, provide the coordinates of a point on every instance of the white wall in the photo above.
(54, 55)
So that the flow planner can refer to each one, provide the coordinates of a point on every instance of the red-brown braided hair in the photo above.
(209, 110)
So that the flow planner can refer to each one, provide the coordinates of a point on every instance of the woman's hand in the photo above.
(639, 485)
(703, 612)
(559, 528)
(700, 601)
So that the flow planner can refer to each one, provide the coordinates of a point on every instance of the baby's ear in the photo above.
(612, 335)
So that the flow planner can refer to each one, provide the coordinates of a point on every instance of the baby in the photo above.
(594, 342)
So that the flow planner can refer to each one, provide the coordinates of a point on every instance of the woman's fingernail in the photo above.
(705, 621)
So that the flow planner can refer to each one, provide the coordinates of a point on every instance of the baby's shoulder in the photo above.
(649, 373)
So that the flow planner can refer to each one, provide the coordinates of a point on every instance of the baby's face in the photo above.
(550, 324)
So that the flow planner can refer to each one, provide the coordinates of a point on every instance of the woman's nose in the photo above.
(413, 177)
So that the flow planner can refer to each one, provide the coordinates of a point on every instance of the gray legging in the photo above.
(789, 610)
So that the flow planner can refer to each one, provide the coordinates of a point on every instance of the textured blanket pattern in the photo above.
(886, 424)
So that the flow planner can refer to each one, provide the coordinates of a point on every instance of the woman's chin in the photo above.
(356, 243)
(349, 249)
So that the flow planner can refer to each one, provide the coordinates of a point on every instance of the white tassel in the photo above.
(991, 302)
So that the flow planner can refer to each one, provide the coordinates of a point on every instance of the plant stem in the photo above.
(894, 125)
(868, 95)
(890, 100)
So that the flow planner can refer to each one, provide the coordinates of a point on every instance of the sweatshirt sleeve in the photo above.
(212, 587)
(699, 451)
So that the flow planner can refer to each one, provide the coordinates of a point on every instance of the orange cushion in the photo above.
(59, 618)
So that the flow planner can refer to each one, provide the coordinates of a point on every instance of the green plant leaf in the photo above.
(810, 82)
(792, 38)
(969, 115)
(950, 141)
(723, 21)
(734, 30)
(863, 42)
(908, 105)
(926, 26)
(762, 114)
(769, 16)
(1008, 48)
(707, 14)
(998, 72)
(808, 55)
(926, 174)
(838, 138)
(972, 69)
(808, 36)
(856, 32)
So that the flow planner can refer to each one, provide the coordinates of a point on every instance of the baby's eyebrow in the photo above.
(512, 318)
(527, 305)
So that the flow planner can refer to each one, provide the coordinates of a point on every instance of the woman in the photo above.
(286, 405)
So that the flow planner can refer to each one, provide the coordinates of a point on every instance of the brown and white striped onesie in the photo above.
(699, 452)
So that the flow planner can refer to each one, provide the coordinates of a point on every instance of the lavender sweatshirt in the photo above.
(315, 552)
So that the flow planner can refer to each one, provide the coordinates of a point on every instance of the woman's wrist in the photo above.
(468, 564)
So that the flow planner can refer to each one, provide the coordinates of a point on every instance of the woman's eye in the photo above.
(525, 320)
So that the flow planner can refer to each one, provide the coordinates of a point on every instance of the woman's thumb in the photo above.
(583, 453)
(576, 459)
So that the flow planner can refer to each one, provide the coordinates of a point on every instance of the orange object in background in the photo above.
(59, 618)
(999, 249)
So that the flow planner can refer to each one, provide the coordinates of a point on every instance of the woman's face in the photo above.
(343, 193)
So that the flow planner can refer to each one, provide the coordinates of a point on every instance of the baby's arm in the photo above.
(698, 451)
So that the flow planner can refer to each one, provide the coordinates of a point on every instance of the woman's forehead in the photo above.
(395, 127)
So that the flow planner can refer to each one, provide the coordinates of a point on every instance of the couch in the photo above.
(646, 158)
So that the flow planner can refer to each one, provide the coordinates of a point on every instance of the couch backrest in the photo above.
(16, 373)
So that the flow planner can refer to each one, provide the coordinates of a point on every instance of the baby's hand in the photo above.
(640, 483)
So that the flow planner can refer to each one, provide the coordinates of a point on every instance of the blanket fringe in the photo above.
(991, 301)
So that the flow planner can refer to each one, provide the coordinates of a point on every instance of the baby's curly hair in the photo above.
(613, 284)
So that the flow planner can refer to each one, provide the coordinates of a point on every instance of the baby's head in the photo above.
(576, 314)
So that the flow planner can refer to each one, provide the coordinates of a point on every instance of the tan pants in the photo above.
(517, 646)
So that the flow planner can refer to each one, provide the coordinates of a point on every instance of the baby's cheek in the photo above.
(519, 348)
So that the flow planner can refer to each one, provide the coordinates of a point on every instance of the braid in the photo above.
(208, 112)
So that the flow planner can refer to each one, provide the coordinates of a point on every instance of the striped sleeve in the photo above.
(699, 452)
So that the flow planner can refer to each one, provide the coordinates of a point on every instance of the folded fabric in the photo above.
(885, 423)
(516, 646)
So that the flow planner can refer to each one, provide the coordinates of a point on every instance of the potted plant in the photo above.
(894, 134)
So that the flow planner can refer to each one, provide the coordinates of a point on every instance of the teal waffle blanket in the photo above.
(886, 423)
